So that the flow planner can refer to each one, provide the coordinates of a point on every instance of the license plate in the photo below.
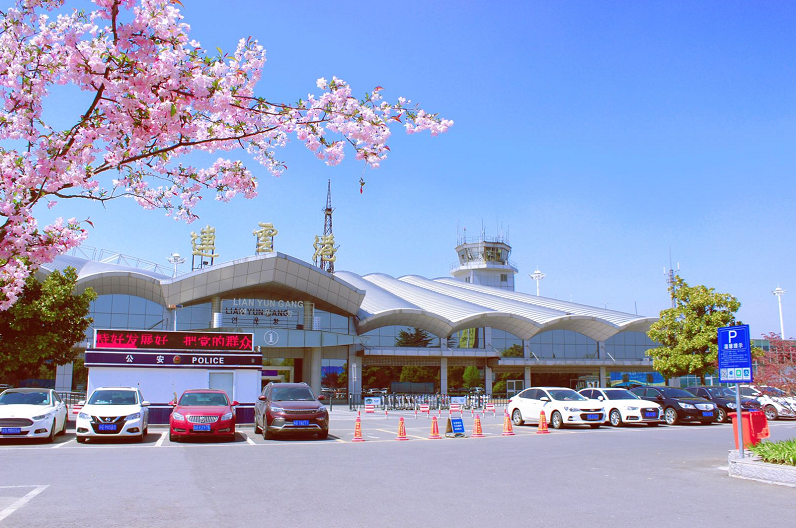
(592, 416)
(650, 415)
(301, 422)
(107, 427)
(11, 430)
(707, 413)
(201, 427)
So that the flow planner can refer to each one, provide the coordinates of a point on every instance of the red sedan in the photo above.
(202, 412)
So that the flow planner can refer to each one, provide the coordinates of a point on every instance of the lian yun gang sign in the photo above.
(166, 340)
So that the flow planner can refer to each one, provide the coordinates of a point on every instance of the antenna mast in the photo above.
(327, 230)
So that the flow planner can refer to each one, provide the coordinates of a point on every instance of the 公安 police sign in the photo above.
(735, 354)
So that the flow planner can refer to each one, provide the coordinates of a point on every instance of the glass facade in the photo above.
(629, 345)
(387, 336)
(468, 338)
(503, 341)
(563, 344)
(125, 312)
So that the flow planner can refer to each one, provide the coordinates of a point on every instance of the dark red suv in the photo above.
(290, 408)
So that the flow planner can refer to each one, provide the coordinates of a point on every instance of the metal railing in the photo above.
(412, 402)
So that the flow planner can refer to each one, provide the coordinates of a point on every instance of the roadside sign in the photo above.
(735, 354)
(455, 428)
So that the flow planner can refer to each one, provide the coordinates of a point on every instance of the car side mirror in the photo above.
(544, 399)
(145, 404)
(261, 398)
(601, 398)
(321, 397)
(235, 403)
(173, 403)
(659, 397)
(81, 402)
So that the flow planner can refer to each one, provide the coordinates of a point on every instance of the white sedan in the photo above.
(113, 412)
(623, 407)
(560, 406)
(31, 413)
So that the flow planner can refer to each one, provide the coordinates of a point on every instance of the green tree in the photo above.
(472, 378)
(514, 350)
(417, 339)
(687, 333)
(416, 374)
(43, 325)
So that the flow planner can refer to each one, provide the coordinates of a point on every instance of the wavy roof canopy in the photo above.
(444, 306)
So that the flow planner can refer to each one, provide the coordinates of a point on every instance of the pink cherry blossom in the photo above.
(157, 95)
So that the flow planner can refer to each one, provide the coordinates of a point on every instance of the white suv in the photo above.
(113, 412)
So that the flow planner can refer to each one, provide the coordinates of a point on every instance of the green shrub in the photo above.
(777, 452)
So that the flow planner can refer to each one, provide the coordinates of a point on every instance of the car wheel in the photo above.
(146, 429)
(616, 418)
(771, 413)
(516, 417)
(721, 415)
(556, 420)
(256, 427)
(63, 429)
(51, 438)
(82, 439)
(323, 435)
(670, 415)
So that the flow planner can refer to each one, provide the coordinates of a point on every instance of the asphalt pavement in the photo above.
(662, 476)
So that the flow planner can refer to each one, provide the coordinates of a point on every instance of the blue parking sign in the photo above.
(735, 354)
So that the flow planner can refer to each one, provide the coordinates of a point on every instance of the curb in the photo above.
(752, 468)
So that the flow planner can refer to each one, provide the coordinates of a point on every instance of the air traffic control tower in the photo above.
(485, 261)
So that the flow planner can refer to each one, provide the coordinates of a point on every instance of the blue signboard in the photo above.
(735, 354)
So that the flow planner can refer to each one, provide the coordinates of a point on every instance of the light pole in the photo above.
(779, 292)
(537, 276)
(176, 260)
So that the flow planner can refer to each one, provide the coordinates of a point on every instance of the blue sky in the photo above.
(598, 135)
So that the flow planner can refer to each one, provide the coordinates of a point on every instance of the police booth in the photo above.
(163, 364)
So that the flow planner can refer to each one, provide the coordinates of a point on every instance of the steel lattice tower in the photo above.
(327, 228)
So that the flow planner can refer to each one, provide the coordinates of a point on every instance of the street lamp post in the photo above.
(537, 276)
(176, 260)
(779, 292)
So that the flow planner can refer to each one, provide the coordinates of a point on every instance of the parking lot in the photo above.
(606, 477)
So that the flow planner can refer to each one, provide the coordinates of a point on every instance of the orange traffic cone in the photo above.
(477, 432)
(401, 430)
(358, 431)
(508, 430)
(542, 429)
(434, 429)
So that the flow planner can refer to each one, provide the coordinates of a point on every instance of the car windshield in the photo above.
(565, 395)
(25, 398)
(209, 399)
(721, 392)
(671, 392)
(772, 391)
(112, 397)
(620, 394)
(293, 394)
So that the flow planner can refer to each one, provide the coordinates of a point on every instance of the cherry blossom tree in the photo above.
(777, 367)
(155, 96)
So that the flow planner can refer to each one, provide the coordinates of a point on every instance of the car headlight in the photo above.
(571, 409)
(227, 416)
(41, 416)
(84, 416)
(632, 408)
(731, 405)
(134, 416)
(277, 410)
(177, 416)
(686, 405)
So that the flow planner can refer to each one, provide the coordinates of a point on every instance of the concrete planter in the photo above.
(752, 468)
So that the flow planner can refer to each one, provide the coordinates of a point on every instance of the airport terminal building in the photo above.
(305, 321)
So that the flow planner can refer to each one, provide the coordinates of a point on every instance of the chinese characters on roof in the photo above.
(265, 237)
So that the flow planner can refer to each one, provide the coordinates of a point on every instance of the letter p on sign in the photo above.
(732, 334)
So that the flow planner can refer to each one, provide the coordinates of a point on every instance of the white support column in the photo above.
(215, 309)
(443, 375)
(527, 378)
(315, 369)
(603, 378)
(488, 379)
(354, 372)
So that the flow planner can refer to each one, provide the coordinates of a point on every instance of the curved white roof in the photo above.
(440, 306)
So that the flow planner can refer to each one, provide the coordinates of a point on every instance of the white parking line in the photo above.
(56, 446)
(161, 439)
(8, 510)
(248, 440)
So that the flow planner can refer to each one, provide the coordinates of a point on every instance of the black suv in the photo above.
(290, 408)
(724, 399)
(678, 405)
